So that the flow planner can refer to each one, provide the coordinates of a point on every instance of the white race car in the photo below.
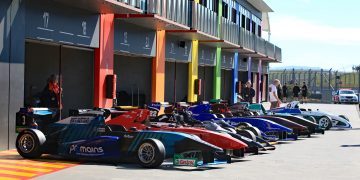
(324, 119)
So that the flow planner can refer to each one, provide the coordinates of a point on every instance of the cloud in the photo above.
(290, 28)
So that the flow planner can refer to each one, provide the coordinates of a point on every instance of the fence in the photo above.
(321, 83)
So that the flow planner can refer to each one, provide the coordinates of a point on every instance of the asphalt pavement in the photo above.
(335, 155)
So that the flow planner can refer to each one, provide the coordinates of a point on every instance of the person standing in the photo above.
(274, 99)
(296, 91)
(279, 91)
(304, 92)
(248, 93)
(51, 94)
(285, 92)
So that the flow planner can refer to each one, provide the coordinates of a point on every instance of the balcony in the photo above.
(159, 14)
(278, 54)
(204, 20)
(230, 32)
(270, 50)
(107, 6)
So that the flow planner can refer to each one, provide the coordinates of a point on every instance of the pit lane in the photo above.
(335, 155)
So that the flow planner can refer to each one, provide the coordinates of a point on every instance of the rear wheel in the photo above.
(29, 142)
(325, 122)
(151, 153)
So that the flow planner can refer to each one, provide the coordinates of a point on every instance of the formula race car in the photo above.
(139, 119)
(85, 136)
(276, 131)
(324, 119)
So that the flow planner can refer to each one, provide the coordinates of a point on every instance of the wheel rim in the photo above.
(26, 143)
(146, 153)
(324, 122)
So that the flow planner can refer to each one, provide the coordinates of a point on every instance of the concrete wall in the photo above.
(12, 17)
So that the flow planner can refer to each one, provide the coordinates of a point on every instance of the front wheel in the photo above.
(325, 122)
(151, 153)
(29, 142)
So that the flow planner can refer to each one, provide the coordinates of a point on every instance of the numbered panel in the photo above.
(177, 49)
(133, 39)
(207, 55)
(49, 21)
(227, 60)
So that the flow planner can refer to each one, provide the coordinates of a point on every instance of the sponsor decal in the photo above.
(100, 129)
(72, 148)
(86, 150)
(80, 120)
(128, 136)
(180, 160)
(89, 149)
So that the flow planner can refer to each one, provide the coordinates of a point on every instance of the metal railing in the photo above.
(230, 31)
(175, 10)
(205, 20)
(278, 55)
(260, 45)
(246, 39)
(270, 49)
(141, 4)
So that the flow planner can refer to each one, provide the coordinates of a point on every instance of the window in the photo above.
(253, 30)
(243, 19)
(203, 2)
(259, 30)
(248, 24)
(216, 6)
(225, 10)
(233, 15)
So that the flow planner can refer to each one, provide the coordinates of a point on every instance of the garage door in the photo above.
(176, 82)
(206, 73)
(133, 80)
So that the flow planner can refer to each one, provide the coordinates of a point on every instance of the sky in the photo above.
(316, 33)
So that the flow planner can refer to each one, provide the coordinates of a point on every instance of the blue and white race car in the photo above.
(86, 136)
(324, 119)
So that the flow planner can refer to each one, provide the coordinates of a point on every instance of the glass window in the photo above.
(233, 15)
(225, 10)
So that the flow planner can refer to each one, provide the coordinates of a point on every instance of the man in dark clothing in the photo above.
(50, 96)
(279, 92)
(248, 93)
(296, 91)
(285, 92)
(304, 92)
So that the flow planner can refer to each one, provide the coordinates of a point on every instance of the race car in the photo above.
(296, 122)
(139, 119)
(85, 136)
(276, 131)
(324, 119)
(345, 96)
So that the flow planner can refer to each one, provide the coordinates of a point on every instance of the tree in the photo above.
(356, 68)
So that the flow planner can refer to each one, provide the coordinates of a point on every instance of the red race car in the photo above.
(139, 120)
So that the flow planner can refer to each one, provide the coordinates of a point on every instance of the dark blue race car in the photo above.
(85, 136)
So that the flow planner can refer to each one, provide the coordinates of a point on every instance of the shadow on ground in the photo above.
(356, 145)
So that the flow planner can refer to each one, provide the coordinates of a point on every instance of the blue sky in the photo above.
(316, 33)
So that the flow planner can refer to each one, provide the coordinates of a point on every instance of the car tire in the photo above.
(151, 153)
(325, 122)
(29, 143)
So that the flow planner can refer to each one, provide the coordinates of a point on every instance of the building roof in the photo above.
(260, 5)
